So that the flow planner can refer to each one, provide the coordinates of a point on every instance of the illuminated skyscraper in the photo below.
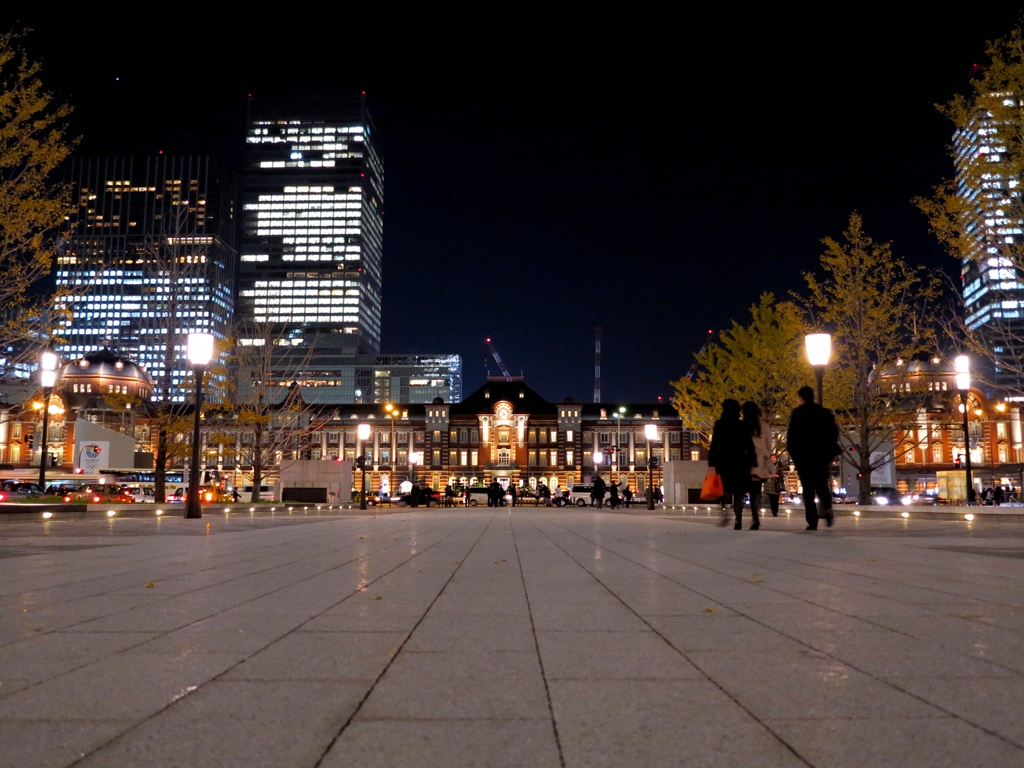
(992, 272)
(147, 253)
(310, 273)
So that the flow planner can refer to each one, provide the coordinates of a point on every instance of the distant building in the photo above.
(313, 196)
(504, 431)
(148, 257)
(992, 274)
(340, 378)
(935, 446)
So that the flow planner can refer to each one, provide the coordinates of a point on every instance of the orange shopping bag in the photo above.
(712, 490)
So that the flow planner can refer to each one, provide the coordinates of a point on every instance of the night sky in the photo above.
(546, 174)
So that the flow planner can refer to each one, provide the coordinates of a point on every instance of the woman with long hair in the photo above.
(732, 456)
(761, 438)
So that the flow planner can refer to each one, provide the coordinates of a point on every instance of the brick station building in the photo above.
(503, 431)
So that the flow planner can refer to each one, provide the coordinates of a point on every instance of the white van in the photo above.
(266, 493)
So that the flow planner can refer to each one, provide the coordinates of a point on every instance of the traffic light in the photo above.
(956, 462)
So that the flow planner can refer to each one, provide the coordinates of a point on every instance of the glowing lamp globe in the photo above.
(200, 348)
(819, 348)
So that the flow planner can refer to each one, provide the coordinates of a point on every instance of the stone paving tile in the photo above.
(890, 655)
(50, 743)
(446, 744)
(322, 656)
(994, 704)
(611, 656)
(925, 743)
(125, 686)
(226, 632)
(796, 685)
(460, 685)
(55, 653)
(811, 638)
(612, 617)
(241, 723)
(660, 723)
(501, 632)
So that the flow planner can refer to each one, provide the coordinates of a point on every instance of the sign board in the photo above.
(94, 456)
(882, 475)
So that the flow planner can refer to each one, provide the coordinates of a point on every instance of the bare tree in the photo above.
(262, 420)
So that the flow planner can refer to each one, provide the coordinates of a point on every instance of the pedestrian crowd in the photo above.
(742, 458)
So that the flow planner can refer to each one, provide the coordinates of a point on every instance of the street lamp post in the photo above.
(200, 352)
(963, 385)
(651, 433)
(819, 350)
(363, 433)
(414, 459)
(47, 377)
(392, 412)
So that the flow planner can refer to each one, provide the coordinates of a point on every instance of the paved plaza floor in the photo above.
(510, 637)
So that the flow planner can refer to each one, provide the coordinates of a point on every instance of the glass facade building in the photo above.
(408, 379)
(148, 257)
(992, 274)
(310, 272)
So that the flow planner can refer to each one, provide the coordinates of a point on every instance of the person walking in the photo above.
(813, 442)
(598, 493)
(449, 495)
(627, 494)
(414, 495)
(731, 455)
(774, 485)
(513, 493)
(761, 439)
(613, 499)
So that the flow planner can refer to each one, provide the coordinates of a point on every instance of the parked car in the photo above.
(478, 496)
(580, 495)
(266, 493)
(26, 489)
(143, 494)
(100, 494)
(209, 494)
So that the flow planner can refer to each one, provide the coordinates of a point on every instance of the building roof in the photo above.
(512, 389)
(106, 364)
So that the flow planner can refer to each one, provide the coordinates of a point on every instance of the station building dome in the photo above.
(87, 380)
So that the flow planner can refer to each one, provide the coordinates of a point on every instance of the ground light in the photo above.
(969, 517)
(111, 513)
(856, 513)
(47, 515)
(159, 512)
(904, 515)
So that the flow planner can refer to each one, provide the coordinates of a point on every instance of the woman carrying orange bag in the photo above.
(732, 456)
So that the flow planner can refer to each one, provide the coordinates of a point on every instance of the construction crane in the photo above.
(693, 368)
(497, 359)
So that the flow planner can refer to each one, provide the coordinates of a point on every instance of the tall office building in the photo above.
(310, 273)
(148, 256)
(992, 271)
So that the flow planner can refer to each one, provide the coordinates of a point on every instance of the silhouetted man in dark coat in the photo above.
(812, 441)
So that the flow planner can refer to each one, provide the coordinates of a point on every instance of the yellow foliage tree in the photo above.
(879, 312)
(33, 142)
(762, 361)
